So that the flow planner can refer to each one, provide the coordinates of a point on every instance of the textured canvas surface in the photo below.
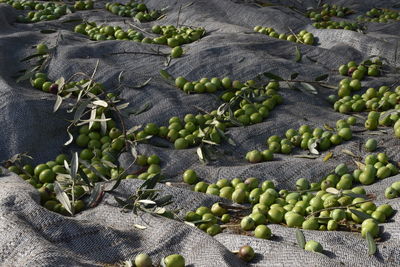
(31, 235)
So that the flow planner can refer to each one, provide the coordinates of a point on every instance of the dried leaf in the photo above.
(92, 118)
(301, 240)
(71, 138)
(329, 128)
(138, 226)
(306, 156)
(101, 103)
(103, 124)
(328, 156)
(200, 154)
(96, 195)
(348, 152)
(147, 201)
(360, 165)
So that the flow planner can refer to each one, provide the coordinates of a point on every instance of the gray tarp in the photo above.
(31, 235)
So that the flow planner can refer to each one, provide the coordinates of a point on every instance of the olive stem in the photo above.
(340, 207)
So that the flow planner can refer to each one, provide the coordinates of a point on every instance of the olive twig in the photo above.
(340, 207)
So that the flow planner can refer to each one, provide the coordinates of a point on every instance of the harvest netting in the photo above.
(223, 133)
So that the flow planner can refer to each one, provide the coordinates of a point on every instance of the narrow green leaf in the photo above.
(27, 75)
(301, 240)
(143, 84)
(360, 214)
(371, 244)
(272, 76)
(294, 75)
(48, 31)
(166, 75)
(321, 77)
(30, 57)
(298, 55)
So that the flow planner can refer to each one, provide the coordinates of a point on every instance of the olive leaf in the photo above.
(321, 77)
(332, 190)
(63, 198)
(28, 74)
(328, 156)
(201, 154)
(272, 76)
(48, 31)
(313, 147)
(301, 240)
(306, 156)
(371, 244)
(298, 55)
(329, 128)
(141, 227)
(96, 195)
(31, 56)
(143, 84)
(360, 165)
(309, 88)
(362, 215)
(294, 75)
(348, 152)
(74, 165)
(166, 75)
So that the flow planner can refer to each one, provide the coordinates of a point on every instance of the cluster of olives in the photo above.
(193, 128)
(380, 15)
(376, 167)
(393, 191)
(366, 68)
(376, 100)
(133, 9)
(351, 26)
(256, 156)
(101, 151)
(83, 5)
(42, 11)
(303, 138)
(174, 260)
(327, 12)
(103, 32)
(313, 206)
(392, 119)
(303, 36)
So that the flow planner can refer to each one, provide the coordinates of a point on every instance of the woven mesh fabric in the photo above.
(31, 235)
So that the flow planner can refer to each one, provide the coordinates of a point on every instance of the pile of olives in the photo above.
(84, 5)
(380, 15)
(331, 204)
(40, 11)
(193, 128)
(327, 11)
(171, 36)
(133, 9)
(303, 36)
(393, 191)
(104, 32)
(376, 100)
(100, 151)
(384, 119)
(351, 26)
(303, 138)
